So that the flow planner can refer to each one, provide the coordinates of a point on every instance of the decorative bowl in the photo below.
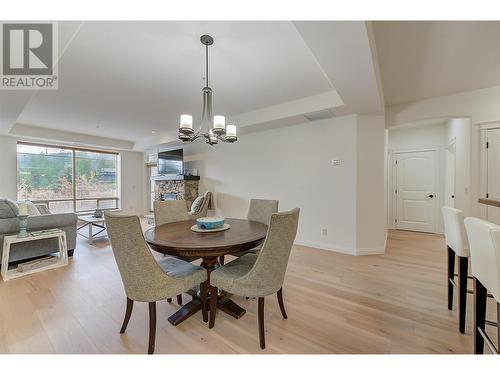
(210, 222)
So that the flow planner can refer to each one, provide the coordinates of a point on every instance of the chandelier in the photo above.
(216, 128)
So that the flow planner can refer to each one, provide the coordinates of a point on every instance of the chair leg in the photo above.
(213, 306)
(451, 272)
(463, 266)
(152, 327)
(128, 313)
(262, 337)
(169, 300)
(203, 300)
(179, 299)
(480, 296)
(221, 260)
(280, 302)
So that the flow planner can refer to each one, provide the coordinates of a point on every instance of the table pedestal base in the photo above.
(230, 307)
(189, 309)
(223, 302)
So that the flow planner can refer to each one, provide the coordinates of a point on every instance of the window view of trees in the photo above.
(46, 173)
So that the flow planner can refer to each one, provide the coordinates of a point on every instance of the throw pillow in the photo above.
(196, 206)
(32, 210)
(8, 208)
(43, 209)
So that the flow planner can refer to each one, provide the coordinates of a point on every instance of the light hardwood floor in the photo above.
(393, 303)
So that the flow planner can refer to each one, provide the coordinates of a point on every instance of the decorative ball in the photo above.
(210, 222)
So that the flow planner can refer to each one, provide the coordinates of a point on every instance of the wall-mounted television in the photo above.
(171, 162)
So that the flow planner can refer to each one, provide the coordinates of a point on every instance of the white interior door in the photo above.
(450, 170)
(493, 173)
(415, 194)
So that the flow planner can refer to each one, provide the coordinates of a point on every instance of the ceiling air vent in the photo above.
(320, 115)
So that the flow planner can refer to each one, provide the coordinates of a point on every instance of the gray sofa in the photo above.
(9, 225)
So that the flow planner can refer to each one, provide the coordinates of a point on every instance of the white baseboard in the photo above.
(371, 251)
(344, 249)
(322, 246)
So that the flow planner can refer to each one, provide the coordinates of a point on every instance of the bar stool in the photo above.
(457, 243)
(484, 239)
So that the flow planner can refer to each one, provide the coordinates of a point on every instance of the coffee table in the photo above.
(92, 221)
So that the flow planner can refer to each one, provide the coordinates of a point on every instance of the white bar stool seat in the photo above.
(457, 244)
(484, 239)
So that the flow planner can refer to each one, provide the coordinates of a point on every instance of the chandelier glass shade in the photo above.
(212, 128)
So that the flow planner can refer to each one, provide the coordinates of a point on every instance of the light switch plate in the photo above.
(336, 161)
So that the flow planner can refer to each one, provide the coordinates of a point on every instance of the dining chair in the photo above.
(484, 240)
(259, 210)
(170, 211)
(262, 274)
(457, 244)
(145, 279)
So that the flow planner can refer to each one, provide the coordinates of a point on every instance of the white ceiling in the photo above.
(122, 80)
(345, 52)
(125, 79)
(419, 60)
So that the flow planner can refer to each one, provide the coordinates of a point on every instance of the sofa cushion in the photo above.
(196, 206)
(8, 208)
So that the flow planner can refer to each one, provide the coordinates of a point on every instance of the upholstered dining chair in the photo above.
(262, 274)
(259, 210)
(145, 279)
(457, 244)
(170, 211)
(484, 240)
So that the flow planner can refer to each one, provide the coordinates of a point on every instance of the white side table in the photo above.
(62, 259)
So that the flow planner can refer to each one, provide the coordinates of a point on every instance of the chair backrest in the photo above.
(484, 240)
(261, 210)
(142, 277)
(170, 211)
(454, 231)
(268, 272)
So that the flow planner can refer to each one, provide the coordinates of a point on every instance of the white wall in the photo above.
(436, 136)
(481, 106)
(459, 129)
(293, 165)
(132, 175)
(8, 165)
(417, 137)
(370, 203)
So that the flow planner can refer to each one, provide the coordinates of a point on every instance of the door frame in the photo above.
(483, 129)
(438, 226)
(453, 142)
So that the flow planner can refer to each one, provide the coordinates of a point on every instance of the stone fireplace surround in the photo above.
(182, 188)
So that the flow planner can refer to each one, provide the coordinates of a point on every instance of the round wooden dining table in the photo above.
(177, 239)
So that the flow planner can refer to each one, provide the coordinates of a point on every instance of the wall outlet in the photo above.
(336, 161)
(324, 232)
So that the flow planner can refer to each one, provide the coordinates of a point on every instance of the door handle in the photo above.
(430, 196)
